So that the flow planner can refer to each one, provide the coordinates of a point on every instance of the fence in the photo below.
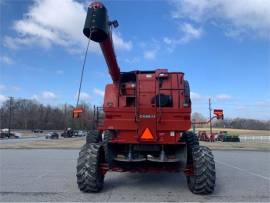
(244, 138)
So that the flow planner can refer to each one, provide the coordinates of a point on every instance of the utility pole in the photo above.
(210, 116)
(10, 111)
(65, 116)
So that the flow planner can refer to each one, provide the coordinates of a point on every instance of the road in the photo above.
(49, 175)
(24, 139)
(34, 138)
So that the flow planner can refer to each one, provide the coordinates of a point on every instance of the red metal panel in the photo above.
(111, 96)
(122, 118)
(146, 113)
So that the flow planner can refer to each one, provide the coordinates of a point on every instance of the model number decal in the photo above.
(147, 116)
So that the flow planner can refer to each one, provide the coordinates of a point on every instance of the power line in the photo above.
(10, 111)
(81, 79)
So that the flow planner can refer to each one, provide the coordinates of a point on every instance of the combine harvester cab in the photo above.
(146, 122)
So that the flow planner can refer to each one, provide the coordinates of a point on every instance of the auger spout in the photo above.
(98, 28)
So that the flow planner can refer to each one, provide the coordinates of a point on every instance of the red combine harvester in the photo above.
(146, 122)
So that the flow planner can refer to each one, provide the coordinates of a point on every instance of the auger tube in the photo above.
(97, 27)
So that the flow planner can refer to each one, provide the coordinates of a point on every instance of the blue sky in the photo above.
(222, 46)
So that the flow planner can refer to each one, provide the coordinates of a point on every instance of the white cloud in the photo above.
(120, 43)
(7, 60)
(264, 104)
(167, 40)
(219, 97)
(195, 96)
(59, 72)
(150, 54)
(85, 96)
(16, 88)
(151, 49)
(3, 2)
(50, 22)
(45, 96)
(223, 97)
(235, 17)
(48, 95)
(132, 61)
(99, 92)
(188, 32)
(3, 98)
(2, 88)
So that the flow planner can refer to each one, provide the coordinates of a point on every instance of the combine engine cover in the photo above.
(148, 106)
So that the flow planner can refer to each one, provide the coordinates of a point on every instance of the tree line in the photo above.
(236, 123)
(30, 114)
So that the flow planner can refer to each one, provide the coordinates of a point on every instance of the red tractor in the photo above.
(146, 118)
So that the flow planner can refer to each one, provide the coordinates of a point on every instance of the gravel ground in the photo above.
(49, 175)
(76, 143)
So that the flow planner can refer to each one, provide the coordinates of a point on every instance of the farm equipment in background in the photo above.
(37, 131)
(224, 136)
(203, 136)
(145, 125)
(68, 133)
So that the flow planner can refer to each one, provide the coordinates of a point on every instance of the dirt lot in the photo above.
(62, 143)
(29, 133)
(265, 146)
(75, 143)
(42, 175)
(238, 131)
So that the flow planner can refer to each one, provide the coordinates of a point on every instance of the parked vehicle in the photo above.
(12, 135)
(80, 133)
(224, 136)
(37, 131)
(68, 133)
(52, 135)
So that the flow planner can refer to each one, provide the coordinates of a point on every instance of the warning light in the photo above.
(147, 135)
(219, 113)
(76, 112)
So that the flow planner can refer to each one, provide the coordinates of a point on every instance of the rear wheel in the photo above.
(108, 153)
(93, 136)
(202, 181)
(192, 141)
(89, 176)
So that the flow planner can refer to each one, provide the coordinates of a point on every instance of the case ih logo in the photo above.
(147, 116)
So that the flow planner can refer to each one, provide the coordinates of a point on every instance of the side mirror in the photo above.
(219, 113)
(114, 23)
(76, 112)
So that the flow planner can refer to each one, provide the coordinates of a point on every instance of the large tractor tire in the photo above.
(105, 142)
(89, 176)
(192, 141)
(202, 181)
(93, 136)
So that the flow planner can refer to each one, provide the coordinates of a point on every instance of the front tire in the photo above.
(204, 175)
(89, 176)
